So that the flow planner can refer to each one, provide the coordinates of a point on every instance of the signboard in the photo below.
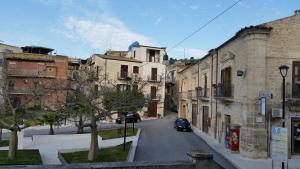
(262, 103)
(279, 144)
(266, 94)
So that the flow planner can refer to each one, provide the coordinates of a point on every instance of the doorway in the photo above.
(205, 119)
(295, 129)
(194, 115)
(152, 109)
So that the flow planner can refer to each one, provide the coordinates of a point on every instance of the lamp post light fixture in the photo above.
(283, 71)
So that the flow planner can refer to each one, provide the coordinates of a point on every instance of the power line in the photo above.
(204, 25)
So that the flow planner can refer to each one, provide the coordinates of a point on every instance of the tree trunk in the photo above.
(94, 147)
(0, 134)
(51, 131)
(13, 144)
(80, 128)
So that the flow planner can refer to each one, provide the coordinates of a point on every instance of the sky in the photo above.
(80, 28)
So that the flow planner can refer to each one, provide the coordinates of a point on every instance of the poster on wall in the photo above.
(279, 144)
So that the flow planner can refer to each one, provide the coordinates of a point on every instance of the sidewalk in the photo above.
(237, 160)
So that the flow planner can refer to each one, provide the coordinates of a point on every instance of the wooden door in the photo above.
(153, 92)
(205, 119)
(154, 74)
(152, 109)
(296, 80)
(194, 115)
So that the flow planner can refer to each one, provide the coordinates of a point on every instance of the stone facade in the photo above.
(139, 63)
(237, 72)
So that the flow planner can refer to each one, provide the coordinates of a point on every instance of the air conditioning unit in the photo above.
(276, 112)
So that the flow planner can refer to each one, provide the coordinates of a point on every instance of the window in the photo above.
(133, 54)
(205, 85)
(151, 55)
(296, 80)
(154, 74)
(124, 71)
(226, 82)
(135, 69)
(1, 61)
(11, 86)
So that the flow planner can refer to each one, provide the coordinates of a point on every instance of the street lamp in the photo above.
(283, 71)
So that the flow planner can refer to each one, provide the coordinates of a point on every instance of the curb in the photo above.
(132, 150)
(195, 131)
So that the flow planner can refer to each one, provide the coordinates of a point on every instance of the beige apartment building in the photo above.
(143, 63)
(223, 90)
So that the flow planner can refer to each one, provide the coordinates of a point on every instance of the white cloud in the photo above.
(108, 33)
(188, 52)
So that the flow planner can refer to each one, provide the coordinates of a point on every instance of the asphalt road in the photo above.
(159, 141)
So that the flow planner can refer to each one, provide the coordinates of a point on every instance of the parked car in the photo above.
(130, 118)
(182, 124)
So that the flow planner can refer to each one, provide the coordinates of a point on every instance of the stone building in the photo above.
(223, 89)
(4, 48)
(139, 62)
(32, 67)
(172, 85)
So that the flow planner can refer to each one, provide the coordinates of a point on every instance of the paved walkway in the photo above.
(240, 162)
(49, 145)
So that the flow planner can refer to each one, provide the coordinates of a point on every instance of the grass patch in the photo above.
(117, 133)
(4, 143)
(112, 154)
(24, 157)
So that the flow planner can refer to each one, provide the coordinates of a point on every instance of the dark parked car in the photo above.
(182, 124)
(131, 118)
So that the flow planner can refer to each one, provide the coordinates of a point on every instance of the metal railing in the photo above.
(25, 72)
(154, 96)
(222, 91)
(154, 79)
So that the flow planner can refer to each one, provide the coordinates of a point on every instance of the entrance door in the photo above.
(194, 115)
(152, 109)
(205, 119)
(296, 136)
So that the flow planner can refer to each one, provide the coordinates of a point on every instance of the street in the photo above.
(159, 141)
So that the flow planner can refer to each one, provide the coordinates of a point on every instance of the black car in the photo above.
(131, 118)
(182, 124)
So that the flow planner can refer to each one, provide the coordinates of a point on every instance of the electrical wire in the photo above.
(204, 25)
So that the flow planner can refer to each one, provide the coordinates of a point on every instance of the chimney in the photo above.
(297, 12)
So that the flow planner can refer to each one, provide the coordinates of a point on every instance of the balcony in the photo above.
(21, 91)
(203, 93)
(183, 95)
(154, 79)
(154, 97)
(292, 98)
(170, 80)
(123, 76)
(27, 73)
(224, 93)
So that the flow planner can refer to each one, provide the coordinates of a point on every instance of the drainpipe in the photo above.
(197, 91)
(216, 115)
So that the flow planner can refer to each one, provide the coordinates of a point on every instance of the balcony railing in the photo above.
(25, 72)
(19, 91)
(183, 95)
(154, 96)
(154, 79)
(123, 76)
(170, 80)
(203, 93)
(221, 91)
